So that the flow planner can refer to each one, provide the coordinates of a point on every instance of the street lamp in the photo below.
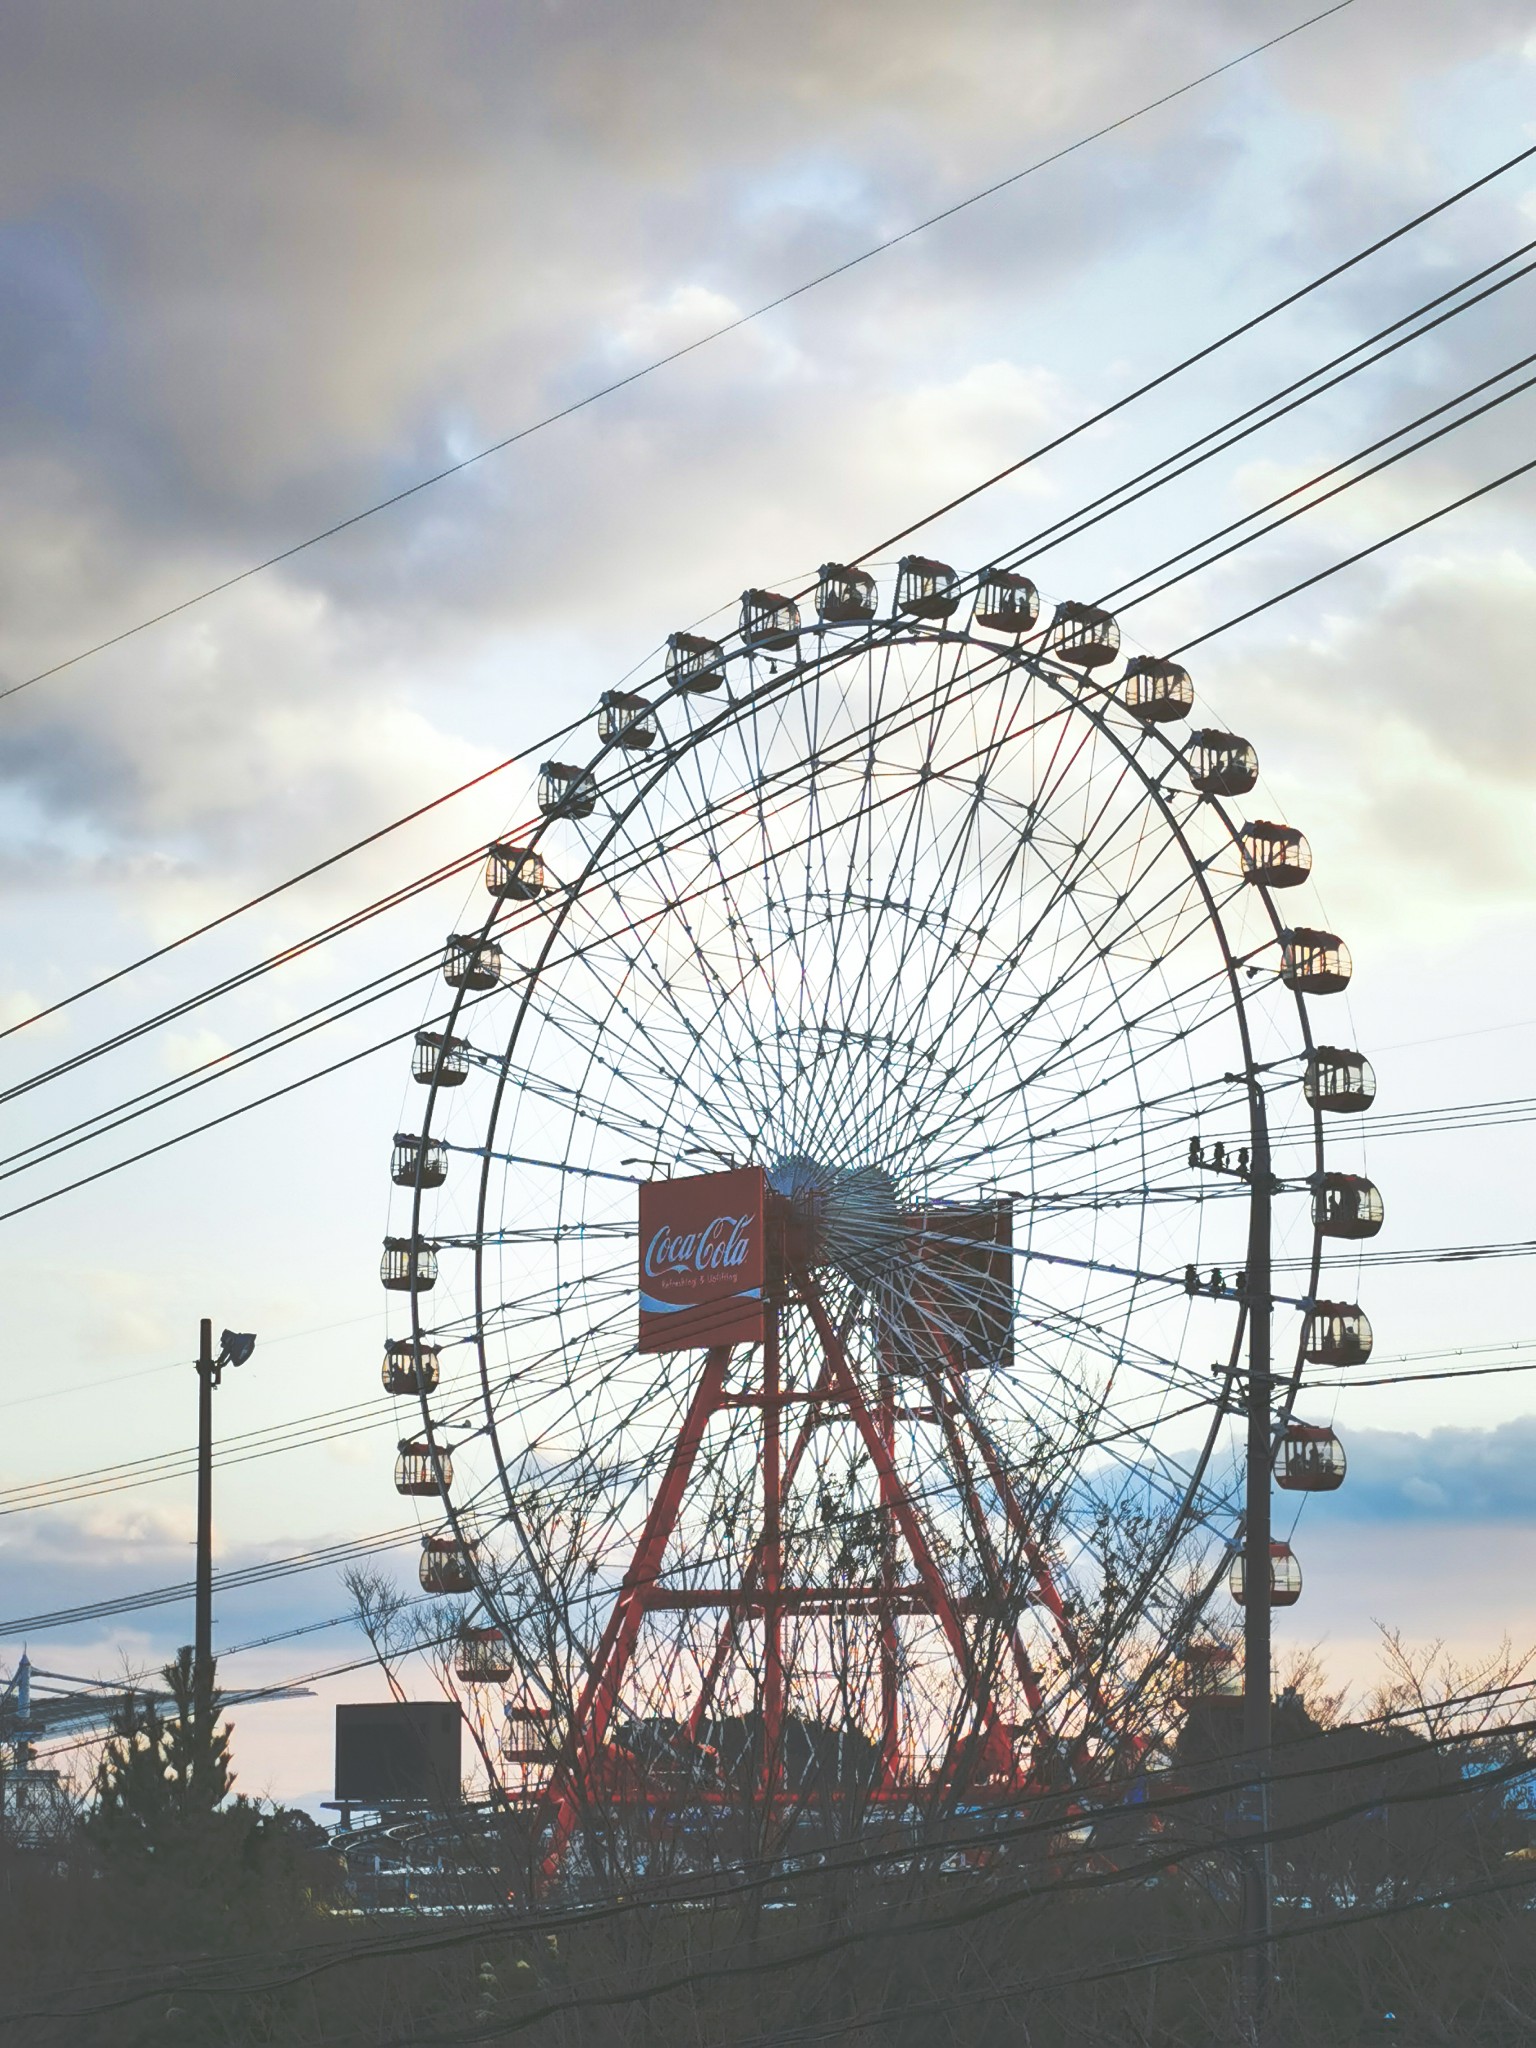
(235, 1348)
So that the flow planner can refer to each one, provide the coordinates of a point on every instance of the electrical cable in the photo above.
(703, 341)
(1063, 529)
(1348, 561)
(1163, 1860)
(1188, 362)
(1360, 555)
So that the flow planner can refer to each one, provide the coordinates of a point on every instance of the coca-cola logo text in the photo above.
(721, 1246)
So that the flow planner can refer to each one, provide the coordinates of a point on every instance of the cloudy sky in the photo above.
(262, 268)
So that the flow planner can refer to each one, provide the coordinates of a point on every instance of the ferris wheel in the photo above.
(876, 1121)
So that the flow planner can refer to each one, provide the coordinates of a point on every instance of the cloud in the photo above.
(1458, 1475)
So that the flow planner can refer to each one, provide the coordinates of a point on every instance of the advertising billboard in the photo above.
(703, 1260)
(405, 1750)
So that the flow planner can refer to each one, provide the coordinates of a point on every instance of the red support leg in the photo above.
(895, 1496)
(1018, 1522)
(572, 1782)
(750, 1577)
(890, 1669)
(773, 1569)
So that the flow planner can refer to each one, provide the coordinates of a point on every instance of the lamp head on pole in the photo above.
(235, 1346)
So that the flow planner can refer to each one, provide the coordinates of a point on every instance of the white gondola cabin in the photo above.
(526, 1737)
(566, 791)
(439, 1061)
(1274, 856)
(625, 720)
(1221, 763)
(408, 1266)
(1156, 691)
(420, 1471)
(1084, 635)
(471, 962)
(1339, 1080)
(514, 874)
(845, 596)
(694, 663)
(769, 621)
(1311, 1460)
(1346, 1205)
(925, 589)
(1314, 963)
(482, 1656)
(410, 1367)
(418, 1162)
(1006, 602)
(1336, 1333)
(447, 1565)
(1284, 1577)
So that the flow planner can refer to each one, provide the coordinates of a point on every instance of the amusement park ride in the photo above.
(881, 1085)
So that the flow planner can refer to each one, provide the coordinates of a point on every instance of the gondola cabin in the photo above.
(514, 874)
(1274, 856)
(1338, 1080)
(1284, 1577)
(566, 791)
(1155, 691)
(482, 1656)
(625, 720)
(1314, 963)
(471, 963)
(844, 596)
(1311, 1460)
(1083, 635)
(437, 1061)
(1336, 1333)
(1006, 603)
(925, 589)
(408, 1266)
(694, 663)
(526, 1737)
(1346, 1205)
(769, 621)
(1221, 763)
(447, 1565)
(418, 1162)
(410, 1367)
(420, 1471)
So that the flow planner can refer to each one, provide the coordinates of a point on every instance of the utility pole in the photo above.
(1258, 1931)
(202, 1651)
(235, 1347)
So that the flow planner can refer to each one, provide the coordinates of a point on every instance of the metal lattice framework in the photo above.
(968, 950)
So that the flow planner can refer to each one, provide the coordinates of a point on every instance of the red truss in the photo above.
(925, 1345)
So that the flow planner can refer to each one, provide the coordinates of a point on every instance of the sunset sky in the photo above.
(263, 268)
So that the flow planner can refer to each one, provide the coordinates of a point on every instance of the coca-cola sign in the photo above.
(701, 1260)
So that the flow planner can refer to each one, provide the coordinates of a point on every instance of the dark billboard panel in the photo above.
(960, 1305)
(399, 1750)
(703, 1260)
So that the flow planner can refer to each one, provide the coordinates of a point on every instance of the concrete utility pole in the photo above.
(202, 1650)
(1257, 1959)
(235, 1347)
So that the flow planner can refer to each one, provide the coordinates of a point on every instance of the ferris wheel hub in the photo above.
(850, 1217)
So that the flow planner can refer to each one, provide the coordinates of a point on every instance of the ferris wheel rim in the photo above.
(730, 714)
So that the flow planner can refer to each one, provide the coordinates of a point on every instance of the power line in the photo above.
(676, 355)
(1211, 348)
(1252, 420)
(1360, 555)
(334, 1955)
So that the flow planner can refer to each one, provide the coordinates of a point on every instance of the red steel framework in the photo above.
(983, 1749)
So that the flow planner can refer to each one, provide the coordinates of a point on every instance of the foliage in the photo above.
(157, 1773)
